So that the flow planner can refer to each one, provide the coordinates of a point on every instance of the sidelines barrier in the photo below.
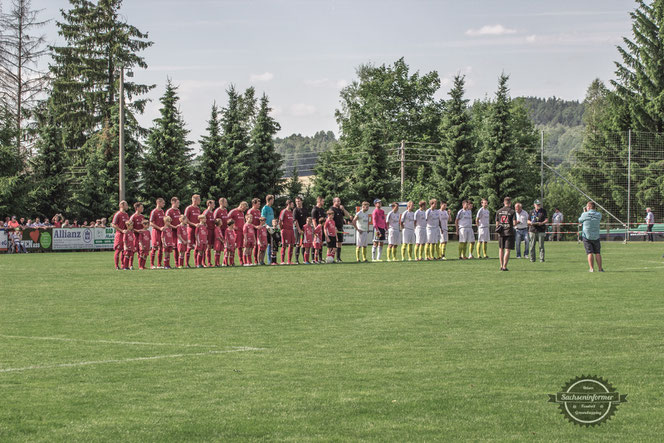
(61, 239)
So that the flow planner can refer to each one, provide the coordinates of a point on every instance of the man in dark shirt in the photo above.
(537, 220)
(340, 214)
(300, 217)
(505, 223)
(319, 211)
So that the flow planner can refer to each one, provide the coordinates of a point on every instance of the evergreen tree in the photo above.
(13, 181)
(330, 180)
(85, 69)
(212, 159)
(454, 170)
(370, 178)
(293, 186)
(167, 164)
(264, 173)
(234, 141)
(497, 161)
(51, 173)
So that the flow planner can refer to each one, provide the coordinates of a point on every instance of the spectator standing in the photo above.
(267, 212)
(557, 223)
(650, 223)
(590, 221)
(340, 214)
(521, 230)
(537, 229)
(505, 223)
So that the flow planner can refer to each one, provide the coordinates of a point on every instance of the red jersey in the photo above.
(137, 219)
(182, 234)
(286, 219)
(249, 231)
(330, 228)
(144, 240)
(222, 214)
(307, 234)
(230, 239)
(130, 241)
(120, 220)
(57, 224)
(157, 217)
(192, 212)
(201, 235)
(256, 214)
(218, 236)
(209, 219)
(262, 235)
(238, 217)
(318, 234)
(174, 214)
(167, 239)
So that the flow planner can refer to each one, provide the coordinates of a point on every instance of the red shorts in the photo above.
(191, 232)
(318, 246)
(201, 247)
(182, 248)
(287, 237)
(144, 250)
(262, 247)
(118, 242)
(210, 236)
(239, 240)
(218, 245)
(156, 238)
(168, 249)
(307, 245)
(249, 244)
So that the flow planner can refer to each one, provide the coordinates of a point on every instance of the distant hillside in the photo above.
(302, 151)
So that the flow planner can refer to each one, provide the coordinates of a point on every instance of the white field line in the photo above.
(126, 360)
(111, 342)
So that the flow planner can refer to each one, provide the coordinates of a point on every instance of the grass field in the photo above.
(382, 352)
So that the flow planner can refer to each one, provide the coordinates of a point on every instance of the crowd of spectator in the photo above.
(58, 221)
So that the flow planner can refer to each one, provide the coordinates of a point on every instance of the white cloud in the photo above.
(302, 110)
(342, 83)
(264, 77)
(531, 38)
(326, 83)
(490, 30)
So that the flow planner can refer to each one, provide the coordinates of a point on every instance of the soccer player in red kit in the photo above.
(191, 214)
(255, 212)
(221, 213)
(174, 213)
(168, 241)
(249, 234)
(183, 240)
(330, 229)
(157, 224)
(307, 240)
(201, 241)
(261, 240)
(129, 245)
(229, 247)
(287, 231)
(318, 240)
(209, 222)
(137, 219)
(237, 215)
(218, 242)
(143, 244)
(119, 223)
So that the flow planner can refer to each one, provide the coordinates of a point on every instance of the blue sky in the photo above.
(302, 52)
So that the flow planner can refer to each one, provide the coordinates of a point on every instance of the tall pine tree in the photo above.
(167, 165)
(370, 178)
(234, 142)
(212, 158)
(264, 173)
(454, 171)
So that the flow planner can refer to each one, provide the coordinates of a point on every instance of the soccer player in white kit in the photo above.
(393, 232)
(408, 231)
(482, 221)
(444, 219)
(361, 223)
(420, 230)
(464, 228)
(433, 229)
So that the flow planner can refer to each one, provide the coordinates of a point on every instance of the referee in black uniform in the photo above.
(300, 217)
(340, 214)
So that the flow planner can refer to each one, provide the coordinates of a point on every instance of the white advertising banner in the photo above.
(82, 238)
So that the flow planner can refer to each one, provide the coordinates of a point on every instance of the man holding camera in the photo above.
(537, 229)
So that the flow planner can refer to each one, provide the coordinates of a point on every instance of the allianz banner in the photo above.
(82, 238)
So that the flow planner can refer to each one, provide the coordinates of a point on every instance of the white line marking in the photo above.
(125, 360)
(111, 342)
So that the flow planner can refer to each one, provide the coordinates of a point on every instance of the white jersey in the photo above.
(465, 218)
(483, 218)
(362, 221)
(420, 218)
(393, 220)
(444, 217)
(408, 220)
(650, 218)
(433, 218)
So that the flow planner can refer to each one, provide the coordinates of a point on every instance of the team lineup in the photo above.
(214, 235)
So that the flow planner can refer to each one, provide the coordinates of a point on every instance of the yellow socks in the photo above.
(484, 246)
(410, 251)
(462, 250)
(479, 249)
(443, 246)
(364, 253)
(358, 251)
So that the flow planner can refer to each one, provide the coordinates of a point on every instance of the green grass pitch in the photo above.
(450, 350)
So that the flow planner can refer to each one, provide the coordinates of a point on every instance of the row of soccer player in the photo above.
(423, 233)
